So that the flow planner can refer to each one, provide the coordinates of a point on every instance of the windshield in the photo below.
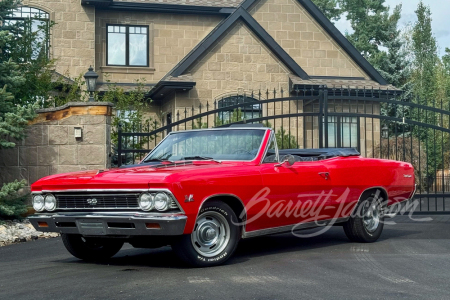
(230, 144)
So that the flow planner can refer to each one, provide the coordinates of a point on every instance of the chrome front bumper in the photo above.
(110, 224)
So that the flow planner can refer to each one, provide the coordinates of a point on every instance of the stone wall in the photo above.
(51, 147)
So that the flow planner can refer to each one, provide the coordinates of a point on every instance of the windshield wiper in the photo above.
(197, 157)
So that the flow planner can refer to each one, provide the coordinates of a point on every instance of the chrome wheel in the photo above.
(211, 234)
(371, 216)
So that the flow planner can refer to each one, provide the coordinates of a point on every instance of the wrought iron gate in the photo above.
(379, 123)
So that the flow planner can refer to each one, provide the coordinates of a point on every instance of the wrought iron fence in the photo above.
(379, 123)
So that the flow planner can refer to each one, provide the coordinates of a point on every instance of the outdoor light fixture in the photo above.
(91, 82)
(385, 132)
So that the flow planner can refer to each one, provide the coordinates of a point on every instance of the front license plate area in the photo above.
(91, 227)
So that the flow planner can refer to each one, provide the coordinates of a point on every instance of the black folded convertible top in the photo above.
(322, 153)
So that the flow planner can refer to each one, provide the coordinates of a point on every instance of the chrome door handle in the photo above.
(325, 175)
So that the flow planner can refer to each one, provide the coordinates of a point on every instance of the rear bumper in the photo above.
(110, 224)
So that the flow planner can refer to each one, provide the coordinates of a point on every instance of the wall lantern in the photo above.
(91, 82)
(385, 132)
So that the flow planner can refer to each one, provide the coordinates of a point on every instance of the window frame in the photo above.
(245, 105)
(127, 46)
(43, 16)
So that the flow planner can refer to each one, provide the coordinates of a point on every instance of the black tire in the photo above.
(192, 254)
(91, 249)
(357, 230)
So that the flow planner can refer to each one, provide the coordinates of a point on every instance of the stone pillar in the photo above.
(51, 147)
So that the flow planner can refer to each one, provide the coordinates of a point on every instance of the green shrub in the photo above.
(12, 204)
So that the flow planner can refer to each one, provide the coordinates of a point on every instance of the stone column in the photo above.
(52, 148)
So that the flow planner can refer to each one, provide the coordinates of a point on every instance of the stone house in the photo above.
(192, 52)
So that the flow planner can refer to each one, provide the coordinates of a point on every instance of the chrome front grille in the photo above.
(97, 201)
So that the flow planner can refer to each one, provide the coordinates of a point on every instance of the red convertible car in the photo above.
(201, 191)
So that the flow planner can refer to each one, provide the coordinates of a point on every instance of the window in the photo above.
(272, 152)
(127, 45)
(25, 20)
(342, 132)
(249, 108)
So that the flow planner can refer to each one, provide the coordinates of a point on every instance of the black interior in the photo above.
(311, 154)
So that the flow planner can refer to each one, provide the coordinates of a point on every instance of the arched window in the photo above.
(33, 24)
(247, 108)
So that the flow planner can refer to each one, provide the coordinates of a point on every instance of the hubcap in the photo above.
(211, 234)
(371, 216)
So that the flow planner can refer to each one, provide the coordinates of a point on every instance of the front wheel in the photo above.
(91, 249)
(214, 238)
(366, 225)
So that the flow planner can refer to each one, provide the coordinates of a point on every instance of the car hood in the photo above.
(137, 177)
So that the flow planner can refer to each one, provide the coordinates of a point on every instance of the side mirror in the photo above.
(288, 160)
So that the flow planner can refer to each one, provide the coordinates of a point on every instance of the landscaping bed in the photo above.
(16, 231)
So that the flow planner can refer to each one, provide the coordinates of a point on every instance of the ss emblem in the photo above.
(92, 201)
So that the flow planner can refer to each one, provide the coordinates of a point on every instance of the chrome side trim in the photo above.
(288, 228)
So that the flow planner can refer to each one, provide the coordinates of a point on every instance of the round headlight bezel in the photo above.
(42, 206)
(50, 198)
(166, 201)
(151, 202)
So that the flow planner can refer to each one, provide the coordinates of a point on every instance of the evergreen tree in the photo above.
(393, 64)
(370, 21)
(425, 84)
(13, 116)
(329, 8)
(425, 57)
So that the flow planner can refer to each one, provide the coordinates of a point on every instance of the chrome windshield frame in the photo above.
(218, 129)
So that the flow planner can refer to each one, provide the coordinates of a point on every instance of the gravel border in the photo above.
(15, 231)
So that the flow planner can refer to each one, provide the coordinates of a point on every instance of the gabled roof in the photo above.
(241, 14)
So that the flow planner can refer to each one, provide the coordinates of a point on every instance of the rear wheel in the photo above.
(366, 225)
(214, 238)
(92, 249)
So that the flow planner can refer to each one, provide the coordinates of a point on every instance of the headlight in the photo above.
(162, 202)
(38, 203)
(146, 202)
(50, 202)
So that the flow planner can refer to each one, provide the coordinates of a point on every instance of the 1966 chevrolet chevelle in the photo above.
(201, 191)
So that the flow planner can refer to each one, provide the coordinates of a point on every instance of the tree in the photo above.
(425, 57)
(14, 117)
(28, 70)
(370, 21)
(329, 8)
(425, 84)
(393, 64)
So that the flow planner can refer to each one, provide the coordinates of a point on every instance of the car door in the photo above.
(296, 194)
